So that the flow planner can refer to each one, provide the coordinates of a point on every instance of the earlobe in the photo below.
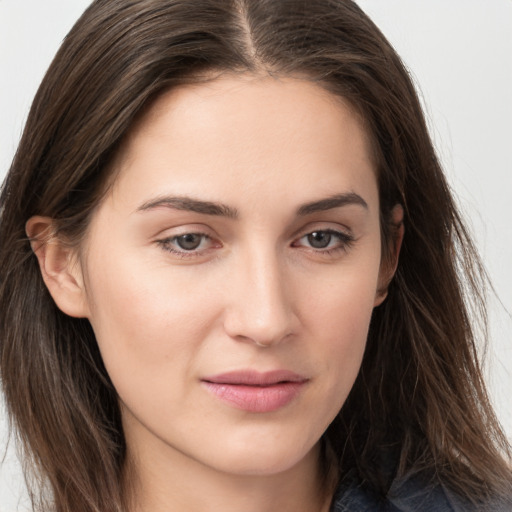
(389, 262)
(59, 266)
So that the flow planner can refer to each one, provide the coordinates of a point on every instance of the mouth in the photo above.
(256, 392)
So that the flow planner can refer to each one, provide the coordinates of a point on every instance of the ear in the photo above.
(389, 261)
(59, 266)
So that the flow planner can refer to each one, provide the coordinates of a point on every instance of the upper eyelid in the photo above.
(340, 231)
(346, 237)
(204, 231)
(174, 232)
(185, 229)
(183, 233)
(332, 227)
(174, 237)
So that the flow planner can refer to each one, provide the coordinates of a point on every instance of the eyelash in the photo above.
(345, 241)
(182, 253)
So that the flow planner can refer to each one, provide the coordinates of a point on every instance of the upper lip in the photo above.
(255, 378)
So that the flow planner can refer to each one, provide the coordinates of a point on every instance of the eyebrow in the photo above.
(336, 201)
(191, 205)
(218, 209)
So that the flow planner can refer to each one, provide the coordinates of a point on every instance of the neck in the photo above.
(158, 484)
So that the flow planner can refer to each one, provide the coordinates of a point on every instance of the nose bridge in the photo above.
(260, 309)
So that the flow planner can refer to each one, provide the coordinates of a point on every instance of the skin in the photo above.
(256, 293)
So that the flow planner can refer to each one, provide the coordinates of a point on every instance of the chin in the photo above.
(257, 459)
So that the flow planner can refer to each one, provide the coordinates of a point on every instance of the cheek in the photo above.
(336, 318)
(340, 303)
(148, 324)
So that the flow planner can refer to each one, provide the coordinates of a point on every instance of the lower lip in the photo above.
(256, 398)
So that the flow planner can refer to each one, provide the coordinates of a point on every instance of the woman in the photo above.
(240, 261)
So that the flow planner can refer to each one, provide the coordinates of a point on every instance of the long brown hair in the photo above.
(420, 393)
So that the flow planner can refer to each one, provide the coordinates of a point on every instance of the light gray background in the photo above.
(460, 54)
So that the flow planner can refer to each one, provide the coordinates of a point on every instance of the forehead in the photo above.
(237, 133)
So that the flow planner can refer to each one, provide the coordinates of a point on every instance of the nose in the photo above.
(260, 309)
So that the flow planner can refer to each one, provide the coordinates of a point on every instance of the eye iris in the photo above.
(319, 239)
(189, 242)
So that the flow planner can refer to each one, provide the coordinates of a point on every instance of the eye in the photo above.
(187, 244)
(319, 239)
(325, 240)
(189, 241)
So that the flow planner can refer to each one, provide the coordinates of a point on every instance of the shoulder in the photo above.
(412, 494)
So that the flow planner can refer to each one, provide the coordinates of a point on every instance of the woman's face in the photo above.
(231, 272)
